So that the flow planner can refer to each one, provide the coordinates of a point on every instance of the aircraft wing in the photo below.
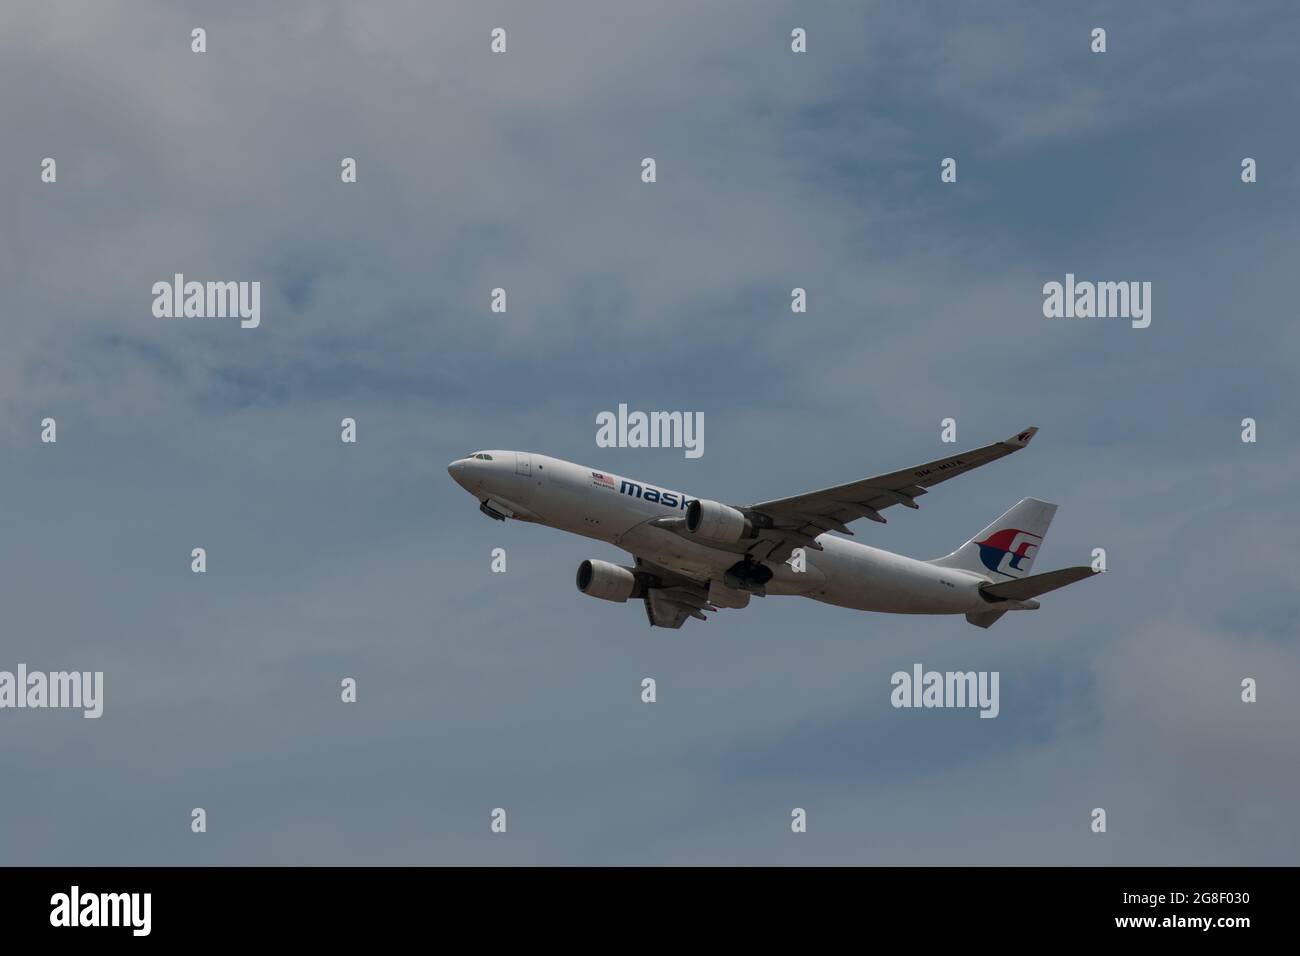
(664, 610)
(796, 522)
(671, 597)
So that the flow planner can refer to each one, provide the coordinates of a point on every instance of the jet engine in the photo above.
(717, 522)
(609, 582)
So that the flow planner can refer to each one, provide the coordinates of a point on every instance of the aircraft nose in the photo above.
(458, 470)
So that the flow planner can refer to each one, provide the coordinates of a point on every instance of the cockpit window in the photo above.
(483, 456)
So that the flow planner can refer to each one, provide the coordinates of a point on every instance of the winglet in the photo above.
(1022, 439)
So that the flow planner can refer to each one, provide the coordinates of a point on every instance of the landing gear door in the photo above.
(523, 464)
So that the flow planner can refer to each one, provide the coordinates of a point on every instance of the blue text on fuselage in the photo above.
(670, 498)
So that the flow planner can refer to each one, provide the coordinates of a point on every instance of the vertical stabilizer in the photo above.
(1005, 550)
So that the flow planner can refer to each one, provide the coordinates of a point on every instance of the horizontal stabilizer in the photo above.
(984, 618)
(1034, 585)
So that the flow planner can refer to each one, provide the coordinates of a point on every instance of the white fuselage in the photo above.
(619, 511)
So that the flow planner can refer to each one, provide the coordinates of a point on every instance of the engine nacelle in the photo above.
(716, 522)
(609, 582)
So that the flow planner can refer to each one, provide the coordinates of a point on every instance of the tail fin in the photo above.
(1005, 550)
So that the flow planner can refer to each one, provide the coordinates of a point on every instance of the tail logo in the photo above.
(1009, 551)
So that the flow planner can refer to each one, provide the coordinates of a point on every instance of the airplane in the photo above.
(693, 556)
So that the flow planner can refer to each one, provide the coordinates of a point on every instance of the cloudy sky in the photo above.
(775, 170)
